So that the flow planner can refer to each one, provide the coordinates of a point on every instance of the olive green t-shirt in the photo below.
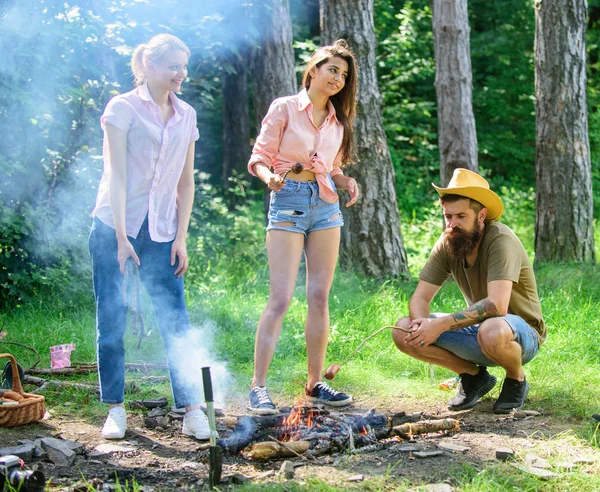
(501, 257)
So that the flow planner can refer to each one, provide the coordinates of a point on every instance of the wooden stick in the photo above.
(426, 427)
(87, 368)
(371, 336)
(61, 372)
(150, 379)
(27, 347)
(44, 384)
(333, 369)
(268, 450)
(291, 450)
(128, 365)
(143, 366)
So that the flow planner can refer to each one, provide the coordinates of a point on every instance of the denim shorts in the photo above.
(298, 208)
(463, 342)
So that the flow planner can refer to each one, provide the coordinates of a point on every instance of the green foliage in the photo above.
(47, 104)
(592, 46)
(63, 62)
(502, 35)
(226, 242)
(228, 283)
(406, 71)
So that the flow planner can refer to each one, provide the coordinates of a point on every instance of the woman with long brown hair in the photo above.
(314, 129)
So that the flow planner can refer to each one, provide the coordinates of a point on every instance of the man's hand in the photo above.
(179, 251)
(425, 331)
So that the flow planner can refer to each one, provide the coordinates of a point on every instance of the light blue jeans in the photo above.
(463, 343)
(166, 292)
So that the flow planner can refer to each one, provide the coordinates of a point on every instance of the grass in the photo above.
(229, 288)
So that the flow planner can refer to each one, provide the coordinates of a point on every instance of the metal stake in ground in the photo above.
(333, 369)
(215, 458)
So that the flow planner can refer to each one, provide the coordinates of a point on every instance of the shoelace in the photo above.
(328, 389)
(115, 420)
(262, 395)
(200, 417)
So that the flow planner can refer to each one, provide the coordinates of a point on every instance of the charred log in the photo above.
(426, 427)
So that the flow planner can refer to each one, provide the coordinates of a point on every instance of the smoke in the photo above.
(195, 350)
(61, 63)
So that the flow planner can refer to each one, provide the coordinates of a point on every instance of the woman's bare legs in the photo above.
(322, 249)
(284, 250)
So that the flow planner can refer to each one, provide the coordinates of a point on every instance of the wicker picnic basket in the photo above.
(30, 408)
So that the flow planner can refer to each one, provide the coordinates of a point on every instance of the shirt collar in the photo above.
(304, 103)
(144, 94)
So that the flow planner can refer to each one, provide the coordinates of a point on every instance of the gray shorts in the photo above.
(463, 343)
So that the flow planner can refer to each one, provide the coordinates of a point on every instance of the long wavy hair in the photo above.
(344, 101)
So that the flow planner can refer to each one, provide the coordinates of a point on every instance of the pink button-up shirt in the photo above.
(288, 135)
(156, 155)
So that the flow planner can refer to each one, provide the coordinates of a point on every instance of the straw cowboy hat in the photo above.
(470, 185)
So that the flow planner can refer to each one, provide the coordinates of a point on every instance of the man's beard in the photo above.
(462, 243)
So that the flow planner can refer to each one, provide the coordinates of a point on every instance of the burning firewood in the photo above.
(426, 427)
(322, 429)
(269, 450)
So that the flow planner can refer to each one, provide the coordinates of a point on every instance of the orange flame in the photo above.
(291, 425)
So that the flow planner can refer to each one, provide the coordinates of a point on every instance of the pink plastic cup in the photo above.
(60, 355)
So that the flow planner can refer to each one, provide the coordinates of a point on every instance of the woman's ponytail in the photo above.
(138, 65)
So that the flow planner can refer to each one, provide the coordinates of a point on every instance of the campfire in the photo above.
(313, 430)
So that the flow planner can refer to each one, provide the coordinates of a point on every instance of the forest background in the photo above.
(63, 61)
(57, 79)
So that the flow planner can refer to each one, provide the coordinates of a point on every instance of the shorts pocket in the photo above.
(287, 190)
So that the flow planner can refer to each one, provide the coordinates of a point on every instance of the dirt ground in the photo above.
(167, 460)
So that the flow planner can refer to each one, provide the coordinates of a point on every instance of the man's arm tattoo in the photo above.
(474, 314)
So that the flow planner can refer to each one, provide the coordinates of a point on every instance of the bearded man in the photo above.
(502, 325)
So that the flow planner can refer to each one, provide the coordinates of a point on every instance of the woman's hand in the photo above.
(275, 182)
(125, 250)
(347, 183)
(352, 191)
(179, 252)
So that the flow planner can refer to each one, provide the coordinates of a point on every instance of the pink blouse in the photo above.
(156, 155)
(288, 135)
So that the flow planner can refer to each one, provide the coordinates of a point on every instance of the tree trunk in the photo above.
(457, 139)
(564, 225)
(273, 56)
(236, 124)
(371, 239)
(272, 60)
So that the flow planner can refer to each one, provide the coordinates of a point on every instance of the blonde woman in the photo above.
(313, 128)
(142, 212)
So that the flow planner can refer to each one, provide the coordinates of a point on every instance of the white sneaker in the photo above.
(195, 424)
(116, 424)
